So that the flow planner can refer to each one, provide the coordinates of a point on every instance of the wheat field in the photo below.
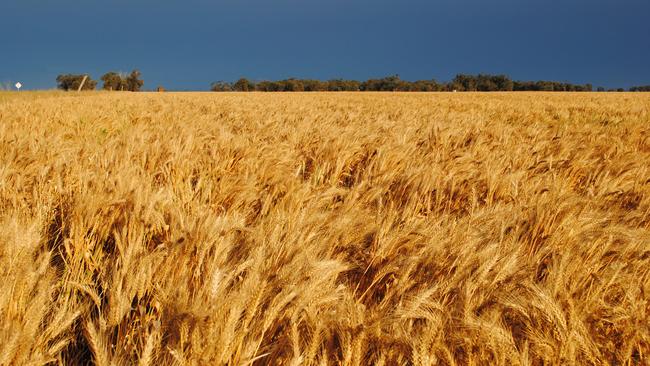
(325, 229)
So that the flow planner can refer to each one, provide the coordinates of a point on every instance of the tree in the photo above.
(133, 82)
(293, 84)
(244, 85)
(350, 85)
(221, 86)
(113, 81)
(423, 86)
(484, 82)
(389, 83)
(503, 82)
(314, 85)
(464, 82)
(72, 82)
(267, 86)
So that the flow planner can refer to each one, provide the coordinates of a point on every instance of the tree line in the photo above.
(111, 81)
(645, 88)
(461, 82)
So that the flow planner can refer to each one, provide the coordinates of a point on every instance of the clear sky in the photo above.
(190, 43)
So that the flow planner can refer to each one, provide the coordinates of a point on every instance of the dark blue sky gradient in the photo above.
(190, 43)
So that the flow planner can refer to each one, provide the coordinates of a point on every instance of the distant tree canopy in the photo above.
(482, 82)
(72, 82)
(221, 86)
(645, 88)
(287, 85)
(550, 86)
(462, 82)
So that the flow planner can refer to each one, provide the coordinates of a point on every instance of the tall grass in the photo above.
(10, 94)
(304, 229)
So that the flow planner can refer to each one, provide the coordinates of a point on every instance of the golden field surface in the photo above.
(318, 229)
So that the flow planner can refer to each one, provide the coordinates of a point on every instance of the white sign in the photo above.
(19, 85)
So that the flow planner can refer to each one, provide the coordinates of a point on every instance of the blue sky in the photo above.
(188, 44)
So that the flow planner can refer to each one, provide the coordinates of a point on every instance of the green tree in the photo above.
(314, 85)
(73, 81)
(464, 82)
(503, 82)
(243, 85)
(113, 81)
(485, 83)
(134, 82)
(293, 85)
(426, 86)
(221, 86)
